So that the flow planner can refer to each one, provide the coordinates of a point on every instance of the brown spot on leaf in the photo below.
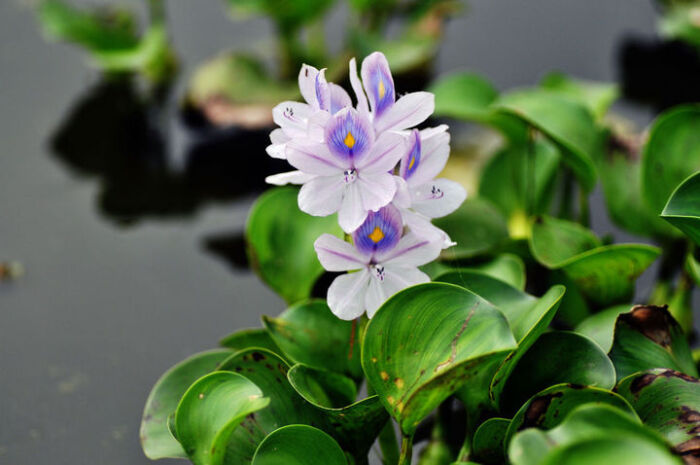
(536, 411)
(690, 451)
(652, 321)
(689, 415)
(257, 356)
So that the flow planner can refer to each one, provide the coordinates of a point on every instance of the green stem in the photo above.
(567, 188)
(388, 444)
(156, 11)
(406, 449)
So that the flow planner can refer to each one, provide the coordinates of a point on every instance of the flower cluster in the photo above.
(370, 166)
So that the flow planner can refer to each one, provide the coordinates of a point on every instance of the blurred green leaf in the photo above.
(280, 241)
(211, 410)
(648, 337)
(426, 342)
(156, 440)
(566, 122)
(681, 22)
(601, 326)
(288, 14)
(309, 333)
(554, 242)
(465, 96)
(683, 208)
(506, 267)
(487, 444)
(671, 154)
(669, 402)
(299, 445)
(597, 96)
(618, 451)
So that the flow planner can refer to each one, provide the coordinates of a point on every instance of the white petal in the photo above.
(316, 129)
(375, 296)
(396, 278)
(362, 105)
(322, 195)
(312, 157)
(307, 83)
(337, 255)
(277, 136)
(376, 190)
(438, 198)
(346, 294)
(277, 151)
(412, 250)
(421, 226)
(408, 111)
(402, 198)
(290, 177)
(292, 117)
(339, 98)
(384, 155)
(351, 213)
(435, 150)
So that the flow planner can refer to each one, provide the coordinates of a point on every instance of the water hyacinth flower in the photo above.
(385, 263)
(420, 196)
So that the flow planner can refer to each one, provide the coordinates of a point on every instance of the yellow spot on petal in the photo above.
(376, 235)
(399, 383)
(349, 140)
(413, 162)
(382, 90)
(384, 375)
(390, 399)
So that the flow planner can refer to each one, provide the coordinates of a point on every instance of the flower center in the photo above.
(376, 235)
(350, 175)
(349, 140)
(378, 272)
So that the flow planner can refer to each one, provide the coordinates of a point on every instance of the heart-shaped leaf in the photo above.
(669, 402)
(249, 338)
(596, 96)
(465, 96)
(671, 154)
(299, 445)
(601, 326)
(683, 208)
(280, 240)
(565, 121)
(648, 337)
(211, 410)
(487, 443)
(427, 341)
(309, 333)
(156, 440)
(476, 226)
(554, 242)
(354, 424)
(548, 408)
(556, 357)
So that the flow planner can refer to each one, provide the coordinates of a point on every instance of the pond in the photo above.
(128, 224)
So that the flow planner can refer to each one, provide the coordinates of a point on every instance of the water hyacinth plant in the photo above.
(497, 329)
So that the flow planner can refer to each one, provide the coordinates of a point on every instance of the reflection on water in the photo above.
(117, 135)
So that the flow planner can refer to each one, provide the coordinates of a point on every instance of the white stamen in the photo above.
(378, 272)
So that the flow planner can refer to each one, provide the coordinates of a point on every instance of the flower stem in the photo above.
(406, 449)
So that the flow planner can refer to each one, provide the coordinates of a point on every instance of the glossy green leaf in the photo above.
(554, 241)
(299, 445)
(618, 451)
(427, 341)
(309, 333)
(549, 407)
(566, 122)
(596, 96)
(325, 389)
(211, 410)
(280, 240)
(586, 422)
(476, 226)
(555, 358)
(601, 326)
(683, 208)
(156, 440)
(671, 154)
(506, 267)
(648, 337)
(487, 443)
(465, 96)
(253, 337)
(505, 178)
(669, 402)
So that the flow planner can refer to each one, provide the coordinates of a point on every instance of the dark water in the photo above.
(121, 217)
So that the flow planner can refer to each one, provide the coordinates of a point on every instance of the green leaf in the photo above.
(487, 444)
(601, 326)
(506, 267)
(548, 408)
(566, 122)
(683, 208)
(156, 440)
(408, 52)
(465, 96)
(476, 226)
(354, 424)
(555, 358)
(211, 410)
(280, 241)
(504, 180)
(586, 422)
(597, 96)
(554, 242)
(299, 445)
(680, 22)
(671, 154)
(669, 402)
(309, 333)
(248, 338)
(289, 15)
(618, 451)
(648, 337)
(692, 267)
(427, 341)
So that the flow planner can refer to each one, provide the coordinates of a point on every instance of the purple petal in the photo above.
(349, 136)
(339, 98)
(412, 159)
(380, 232)
(412, 250)
(323, 91)
(435, 150)
(384, 155)
(376, 77)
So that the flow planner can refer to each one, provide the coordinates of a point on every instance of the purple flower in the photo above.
(386, 262)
